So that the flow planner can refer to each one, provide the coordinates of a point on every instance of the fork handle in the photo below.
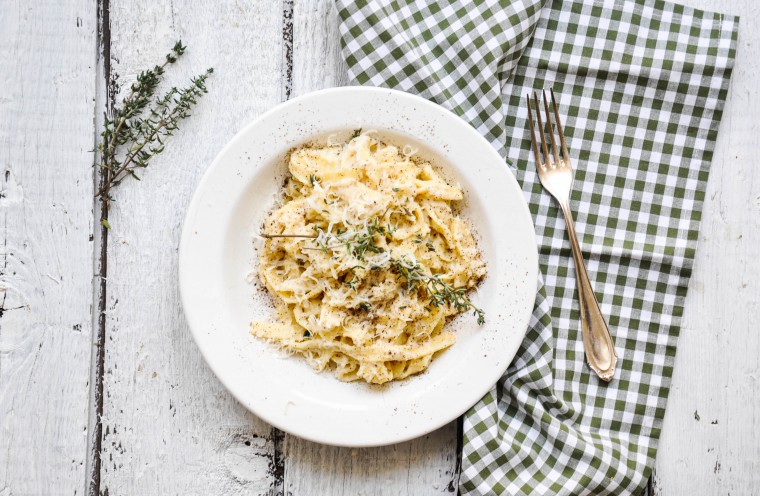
(597, 341)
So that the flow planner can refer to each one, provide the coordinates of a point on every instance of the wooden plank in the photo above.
(104, 101)
(47, 76)
(428, 465)
(169, 426)
(710, 442)
(317, 60)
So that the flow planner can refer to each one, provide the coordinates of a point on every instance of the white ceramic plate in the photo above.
(217, 252)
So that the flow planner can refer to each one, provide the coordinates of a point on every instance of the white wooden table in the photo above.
(167, 426)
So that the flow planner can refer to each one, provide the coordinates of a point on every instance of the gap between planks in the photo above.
(104, 101)
(278, 437)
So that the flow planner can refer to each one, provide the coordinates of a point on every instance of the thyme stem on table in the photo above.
(136, 131)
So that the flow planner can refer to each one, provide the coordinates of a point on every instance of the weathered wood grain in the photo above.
(711, 435)
(47, 90)
(424, 466)
(169, 426)
(427, 465)
(317, 61)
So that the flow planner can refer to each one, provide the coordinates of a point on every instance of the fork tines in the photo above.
(547, 162)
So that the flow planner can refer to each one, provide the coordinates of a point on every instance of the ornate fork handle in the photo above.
(597, 341)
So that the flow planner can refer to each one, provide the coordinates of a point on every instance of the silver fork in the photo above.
(557, 178)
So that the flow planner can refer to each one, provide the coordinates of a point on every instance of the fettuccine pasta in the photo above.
(371, 263)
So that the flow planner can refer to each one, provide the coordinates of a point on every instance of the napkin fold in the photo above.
(641, 86)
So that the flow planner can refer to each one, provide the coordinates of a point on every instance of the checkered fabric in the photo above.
(641, 86)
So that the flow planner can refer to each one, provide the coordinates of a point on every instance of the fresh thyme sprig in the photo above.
(357, 243)
(439, 291)
(137, 130)
(360, 242)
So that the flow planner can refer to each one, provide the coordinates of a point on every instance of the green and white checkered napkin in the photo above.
(642, 84)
